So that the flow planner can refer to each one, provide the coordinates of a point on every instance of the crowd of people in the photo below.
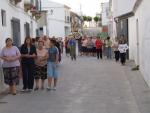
(95, 46)
(37, 59)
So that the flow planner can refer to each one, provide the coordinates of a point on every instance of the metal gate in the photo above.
(27, 29)
(15, 24)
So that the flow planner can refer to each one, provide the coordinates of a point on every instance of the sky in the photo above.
(88, 7)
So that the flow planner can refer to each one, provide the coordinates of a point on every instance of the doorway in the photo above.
(15, 24)
(27, 29)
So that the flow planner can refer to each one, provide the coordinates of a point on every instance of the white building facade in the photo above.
(138, 18)
(58, 19)
(42, 24)
(139, 27)
(15, 22)
(105, 13)
(118, 8)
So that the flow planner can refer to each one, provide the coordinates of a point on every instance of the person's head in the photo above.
(37, 39)
(40, 44)
(108, 38)
(89, 38)
(71, 37)
(33, 40)
(52, 42)
(121, 41)
(45, 37)
(66, 38)
(98, 37)
(53, 37)
(122, 36)
(9, 42)
(28, 41)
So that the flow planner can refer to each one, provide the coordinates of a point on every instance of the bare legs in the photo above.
(12, 89)
(50, 79)
(37, 81)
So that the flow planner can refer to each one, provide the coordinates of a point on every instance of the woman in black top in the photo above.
(28, 54)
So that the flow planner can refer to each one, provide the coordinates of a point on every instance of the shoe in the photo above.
(30, 90)
(48, 88)
(54, 88)
(35, 89)
(23, 90)
(14, 93)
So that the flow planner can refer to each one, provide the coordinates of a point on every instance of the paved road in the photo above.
(86, 86)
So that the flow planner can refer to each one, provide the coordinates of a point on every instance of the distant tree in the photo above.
(84, 18)
(96, 19)
(89, 19)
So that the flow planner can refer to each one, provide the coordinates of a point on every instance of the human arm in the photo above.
(57, 56)
(44, 58)
(33, 53)
(12, 55)
(23, 52)
(18, 55)
(127, 47)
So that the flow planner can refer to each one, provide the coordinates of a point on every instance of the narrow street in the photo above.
(86, 86)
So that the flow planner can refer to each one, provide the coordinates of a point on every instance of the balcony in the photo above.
(27, 5)
(15, 1)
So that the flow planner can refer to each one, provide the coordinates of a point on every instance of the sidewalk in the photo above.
(139, 87)
(3, 87)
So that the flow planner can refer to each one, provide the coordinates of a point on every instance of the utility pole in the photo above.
(81, 18)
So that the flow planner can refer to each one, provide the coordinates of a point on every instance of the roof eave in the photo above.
(124, 16)
(137, 4)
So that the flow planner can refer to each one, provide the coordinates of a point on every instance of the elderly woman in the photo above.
(41, 65)
(10, 55)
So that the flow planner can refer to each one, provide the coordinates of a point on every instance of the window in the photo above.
(3, 15)
(32, 2)
(68, 19)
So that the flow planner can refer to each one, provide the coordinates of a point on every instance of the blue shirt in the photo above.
(52, 52)
(72, 42)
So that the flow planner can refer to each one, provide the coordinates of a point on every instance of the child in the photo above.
(123, 47)
(53, 57)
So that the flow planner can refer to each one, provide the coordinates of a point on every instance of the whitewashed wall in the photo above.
(15, 12)
(143, 17)
(122, 6)
(105, 9)
(56, 18)
(132, 39)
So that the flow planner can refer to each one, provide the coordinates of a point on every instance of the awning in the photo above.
(124, 16)
(129, 14)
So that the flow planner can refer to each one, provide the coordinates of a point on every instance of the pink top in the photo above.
(10, 52)
(84, 43)
(46, 43)
(40, 55)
